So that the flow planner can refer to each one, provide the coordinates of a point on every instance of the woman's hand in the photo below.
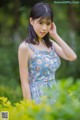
(53, 30)
(60, 46)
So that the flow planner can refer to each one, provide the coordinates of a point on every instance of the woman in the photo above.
(39, 56)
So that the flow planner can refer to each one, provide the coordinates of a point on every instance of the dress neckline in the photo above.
(41, 50)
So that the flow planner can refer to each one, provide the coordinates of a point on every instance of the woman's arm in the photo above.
(23, 56)
(62, 49)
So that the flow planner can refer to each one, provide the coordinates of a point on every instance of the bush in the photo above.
(66, 107)
(12, 94)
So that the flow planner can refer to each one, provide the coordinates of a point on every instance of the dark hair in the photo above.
(39, 10)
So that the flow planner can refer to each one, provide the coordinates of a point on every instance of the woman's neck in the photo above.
(41, 42)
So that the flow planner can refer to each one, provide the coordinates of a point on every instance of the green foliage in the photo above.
(13, 94)
(66, 107)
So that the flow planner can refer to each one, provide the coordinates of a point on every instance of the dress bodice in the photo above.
(43, 65)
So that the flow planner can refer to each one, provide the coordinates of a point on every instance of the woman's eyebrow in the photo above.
(45, 21)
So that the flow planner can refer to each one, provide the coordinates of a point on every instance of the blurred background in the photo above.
(14, 18)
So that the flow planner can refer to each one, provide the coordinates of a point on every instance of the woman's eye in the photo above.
(41, 23)
(48, 23)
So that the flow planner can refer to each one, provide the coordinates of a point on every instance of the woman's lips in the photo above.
(42, 33)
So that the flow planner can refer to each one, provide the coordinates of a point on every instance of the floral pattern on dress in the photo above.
(42, 67)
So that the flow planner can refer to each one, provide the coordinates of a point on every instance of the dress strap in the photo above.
(52, 46)
(32, 47)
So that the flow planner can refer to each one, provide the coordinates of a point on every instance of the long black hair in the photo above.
(39, 10)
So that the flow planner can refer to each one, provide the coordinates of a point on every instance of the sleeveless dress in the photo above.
(41, 72)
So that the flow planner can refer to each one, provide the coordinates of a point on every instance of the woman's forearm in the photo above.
(66, 49)
(26, 91)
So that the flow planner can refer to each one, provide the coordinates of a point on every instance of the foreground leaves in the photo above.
(66, 107)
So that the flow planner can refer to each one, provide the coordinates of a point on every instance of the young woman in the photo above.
(39, 56)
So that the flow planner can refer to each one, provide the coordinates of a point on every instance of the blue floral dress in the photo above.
(41, 69)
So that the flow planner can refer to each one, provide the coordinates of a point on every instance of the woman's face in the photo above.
(41, 26)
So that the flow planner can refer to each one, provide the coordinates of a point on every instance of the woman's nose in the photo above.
(44, 27)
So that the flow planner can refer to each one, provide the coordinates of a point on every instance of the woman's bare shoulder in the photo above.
(23, 46)
(23, 50)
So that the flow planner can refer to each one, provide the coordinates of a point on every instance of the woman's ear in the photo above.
(31, 21)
